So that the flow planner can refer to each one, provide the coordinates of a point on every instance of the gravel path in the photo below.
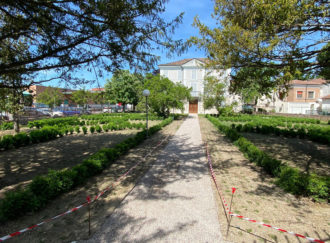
(173, 202)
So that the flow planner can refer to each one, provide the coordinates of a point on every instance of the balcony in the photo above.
(195, 93)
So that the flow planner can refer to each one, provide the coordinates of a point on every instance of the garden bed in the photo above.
(303, 154)
(258, 198)
(75, 226)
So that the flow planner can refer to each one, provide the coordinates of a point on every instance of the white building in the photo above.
(191, 72)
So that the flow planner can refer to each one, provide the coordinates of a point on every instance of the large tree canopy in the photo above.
(282, 35)
(63, 36)
(165, 95)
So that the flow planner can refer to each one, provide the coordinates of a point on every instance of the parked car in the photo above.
(43, 112)
(57, 113)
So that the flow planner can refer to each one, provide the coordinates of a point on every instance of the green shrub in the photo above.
(71, 130)
(92, 129)
(6, 126)
(7, 142)
(21, 139)
(98, 129)
(105, 128)
(318, 187)
(35, 136)
(84, 129)
(292, 180)
(77, 129)
(18, 203)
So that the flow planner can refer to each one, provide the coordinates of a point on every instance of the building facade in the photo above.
(191, 73)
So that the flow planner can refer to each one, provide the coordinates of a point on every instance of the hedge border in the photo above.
(42, 189)
(288, 178)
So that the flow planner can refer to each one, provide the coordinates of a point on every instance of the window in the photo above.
(193, 74)
(166, 73)
(310, 94)
(299, 94)
(179, 75)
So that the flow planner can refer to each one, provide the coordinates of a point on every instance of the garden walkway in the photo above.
(173, 202)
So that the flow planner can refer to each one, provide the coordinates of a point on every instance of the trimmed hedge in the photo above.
(6, 125)
(44, 188)
(290, 179)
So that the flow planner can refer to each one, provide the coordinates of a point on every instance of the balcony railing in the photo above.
(195, 93)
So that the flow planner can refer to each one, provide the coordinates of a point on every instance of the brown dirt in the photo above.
(75, 225)
(258, 198)
(301, 153)
(19, 166)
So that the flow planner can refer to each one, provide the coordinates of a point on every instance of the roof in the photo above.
(318, 81)
(326, 97)
(97, 89)
(183, 61)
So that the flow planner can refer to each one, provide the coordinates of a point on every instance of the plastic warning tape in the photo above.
(248, 219)
(6, 237)
(224, 203)
(276, 228)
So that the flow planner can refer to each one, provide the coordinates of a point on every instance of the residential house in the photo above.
(303, 97)
(191, 73)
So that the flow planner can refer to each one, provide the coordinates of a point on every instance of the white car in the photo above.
(57, 113)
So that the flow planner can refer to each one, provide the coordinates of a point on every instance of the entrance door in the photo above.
(193, 106)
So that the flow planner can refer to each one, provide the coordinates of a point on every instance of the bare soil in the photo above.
(19, 166)
(258, 198)
(74, 226)
(300, 153)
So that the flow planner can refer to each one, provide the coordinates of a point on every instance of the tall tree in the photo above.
(64, 36)
(324, 60)
(51, 96)
(214, 93)
(165, 95)
(253, 83)
(282, 35)
(124, 87)
(82, 97)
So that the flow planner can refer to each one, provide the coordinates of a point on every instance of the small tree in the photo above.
(124, 88)
(51, 96)
(214, 93)
(164, 94)
(82, 97)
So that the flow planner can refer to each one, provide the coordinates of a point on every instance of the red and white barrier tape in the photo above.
(225, 204)
(248, 219)
(6, 237)
(276, 228)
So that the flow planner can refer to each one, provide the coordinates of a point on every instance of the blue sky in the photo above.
(191, 8)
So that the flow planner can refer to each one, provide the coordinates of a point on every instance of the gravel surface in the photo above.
(173, 202)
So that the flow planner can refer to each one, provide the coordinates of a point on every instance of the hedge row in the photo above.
(42, 189)
(6, 125)
(51, 132)
(72, 121)
(290, 179)
(35, 136)
(273, 119)
(321, 135)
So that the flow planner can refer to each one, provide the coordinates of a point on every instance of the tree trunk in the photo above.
(124, 107)
(16, 122)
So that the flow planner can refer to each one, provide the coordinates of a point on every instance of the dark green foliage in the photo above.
(105, 128)
(84, 129)
(18, 203)
(71, 130)
(7, 142)
(6, 126)
(21, 139)
(77, 129)
(98, 129)
(92, 129)
(292, 180)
